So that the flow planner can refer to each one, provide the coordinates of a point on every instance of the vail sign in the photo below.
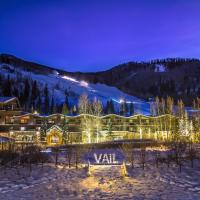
(105, 157)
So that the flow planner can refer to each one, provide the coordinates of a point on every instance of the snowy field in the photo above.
(60, 182)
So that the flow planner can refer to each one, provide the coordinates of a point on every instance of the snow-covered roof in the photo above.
(54, 127)
(6, 99)
(109, 115)
(27, 114)
(5, 139)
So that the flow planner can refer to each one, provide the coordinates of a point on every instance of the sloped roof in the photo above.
(54, 127)
(24, 114)
(6, 99)
(5, 139)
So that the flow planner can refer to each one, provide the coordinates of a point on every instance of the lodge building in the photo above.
(59, 129)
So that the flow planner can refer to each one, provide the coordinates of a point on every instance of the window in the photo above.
(22, 128)
(54, 139)
(23, 121)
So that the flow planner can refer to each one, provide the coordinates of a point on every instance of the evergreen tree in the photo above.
(46, 99)
(34, 94)
(55, 109)
(121, 111)
(1, 80)
(123, 108)
(74, 110)
(7, 89)
(131, 109)
(39, 104)
(25, 97)
(34, 91)
(106, 110)
(67, 101)
(52, 106)
(65, 109)
(126, 107)
(26, 91)
(16, 92)
(110, 107)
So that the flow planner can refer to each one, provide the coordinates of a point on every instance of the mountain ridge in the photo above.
(176, 77)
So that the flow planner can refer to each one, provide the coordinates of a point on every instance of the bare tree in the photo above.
(97, 111)
(169, 105)
(181, 108)
(32, 155)
(77, 154)
(97, 107)
(129, 153)
(56, 152)
(157, 158)
(69, 155)
(179, 147)
(191, 153)
(143, 156)
(83, 104)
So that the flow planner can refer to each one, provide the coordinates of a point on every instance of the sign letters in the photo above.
(105, 157)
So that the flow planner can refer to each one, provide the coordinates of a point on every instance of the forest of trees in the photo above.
(34, 96)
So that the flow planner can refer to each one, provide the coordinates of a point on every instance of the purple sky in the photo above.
(91, 35)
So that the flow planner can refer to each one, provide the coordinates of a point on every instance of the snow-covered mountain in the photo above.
(58, 84)
(131, 82)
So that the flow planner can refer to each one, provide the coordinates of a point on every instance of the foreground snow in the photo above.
(61, 182)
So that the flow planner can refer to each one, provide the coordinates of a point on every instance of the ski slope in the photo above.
(59, 84)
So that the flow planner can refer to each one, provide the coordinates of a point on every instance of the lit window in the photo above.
(54, 139)
(22, 128)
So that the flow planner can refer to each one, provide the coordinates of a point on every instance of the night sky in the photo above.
(91, 35)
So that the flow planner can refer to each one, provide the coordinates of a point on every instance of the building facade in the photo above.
(59, 129)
